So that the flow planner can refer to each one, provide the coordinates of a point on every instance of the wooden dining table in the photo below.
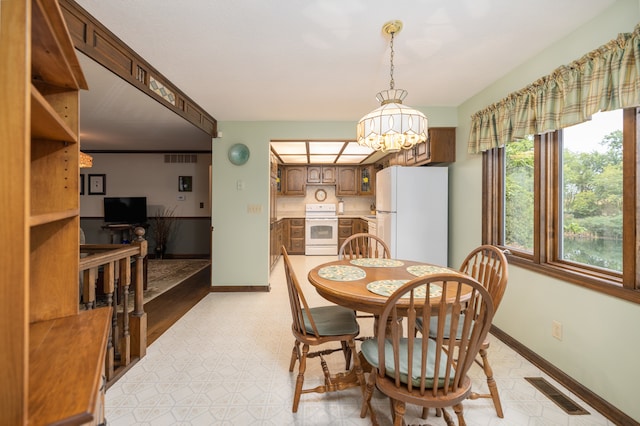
(366, 284)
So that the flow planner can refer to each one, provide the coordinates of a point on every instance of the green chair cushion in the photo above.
(370, 352)
(332, 320)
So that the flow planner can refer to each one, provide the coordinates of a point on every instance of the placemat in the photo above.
(341, 273)
(387, 287)
(420, 270)
(377, 263)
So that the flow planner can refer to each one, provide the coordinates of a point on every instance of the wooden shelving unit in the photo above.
(53, 354)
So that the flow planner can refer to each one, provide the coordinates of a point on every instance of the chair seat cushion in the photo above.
(370, 352)
(332, 320)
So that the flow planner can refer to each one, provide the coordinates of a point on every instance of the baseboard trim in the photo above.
(603, 407)
(240, 288)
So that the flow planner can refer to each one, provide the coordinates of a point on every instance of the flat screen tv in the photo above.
(131, 210)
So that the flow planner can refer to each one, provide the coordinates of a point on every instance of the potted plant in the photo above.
(162, 227)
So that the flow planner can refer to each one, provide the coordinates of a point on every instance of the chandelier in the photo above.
(393, 126)
(85, 160)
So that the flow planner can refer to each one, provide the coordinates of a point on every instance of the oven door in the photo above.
(321, 236)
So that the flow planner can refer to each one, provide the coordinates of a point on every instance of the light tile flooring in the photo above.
(226, 363)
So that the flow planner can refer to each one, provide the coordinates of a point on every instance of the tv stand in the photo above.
(123, 232)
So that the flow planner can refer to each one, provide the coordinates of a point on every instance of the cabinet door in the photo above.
(421, 152)
(367, 180)
(328, 174)
(441, 145)
(347, 181)
(295, 180)
(314, 174)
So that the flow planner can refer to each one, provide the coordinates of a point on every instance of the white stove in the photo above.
(321, 230)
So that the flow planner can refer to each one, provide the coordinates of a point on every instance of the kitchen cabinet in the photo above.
(345, 229)
(347, 181)
(53, 354)
(295, 178)
(321, 175)
(294, 235)
(440, 147)
(276, 240)
(367, 180)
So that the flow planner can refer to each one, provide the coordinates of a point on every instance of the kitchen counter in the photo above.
(364, 216)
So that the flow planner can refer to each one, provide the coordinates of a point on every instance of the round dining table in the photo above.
(365, 284)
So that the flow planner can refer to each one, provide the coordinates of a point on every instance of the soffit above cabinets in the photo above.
(322, 152)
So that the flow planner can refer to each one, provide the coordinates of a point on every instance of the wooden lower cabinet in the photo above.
(345, 229)
(296, 241)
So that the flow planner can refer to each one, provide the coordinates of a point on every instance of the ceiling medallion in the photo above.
(393, 126)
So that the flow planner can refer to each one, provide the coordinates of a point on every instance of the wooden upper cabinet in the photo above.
(367, 181)
(321, 175)
(347, 181)
(295, 178)
(440, 147)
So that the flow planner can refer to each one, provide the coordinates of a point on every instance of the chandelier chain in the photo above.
(391, 82)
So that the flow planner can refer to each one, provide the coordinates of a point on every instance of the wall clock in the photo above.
(238, 154)
(321, 195)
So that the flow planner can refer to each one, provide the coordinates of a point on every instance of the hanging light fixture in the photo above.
(86, 160)
(393, 126)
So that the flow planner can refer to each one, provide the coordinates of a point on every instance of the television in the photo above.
(132, 210)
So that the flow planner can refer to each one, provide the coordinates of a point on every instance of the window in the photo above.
(564, 203)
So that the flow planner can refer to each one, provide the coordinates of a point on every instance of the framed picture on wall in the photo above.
(81, 184)
(185, 184)
(97, 185)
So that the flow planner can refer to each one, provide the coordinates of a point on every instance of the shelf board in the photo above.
(44, 218)
(66, 367)
(53, 56)
(45, 121)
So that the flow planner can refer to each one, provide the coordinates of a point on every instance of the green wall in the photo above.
(599, 348)
(240, 249)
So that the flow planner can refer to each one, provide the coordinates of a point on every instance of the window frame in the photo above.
(545, 259)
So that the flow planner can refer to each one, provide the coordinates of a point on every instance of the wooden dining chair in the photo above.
(488, 265)
(422, 370)
(317, 326)
(363, 245)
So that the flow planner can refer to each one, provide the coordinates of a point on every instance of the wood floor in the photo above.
(166, 309)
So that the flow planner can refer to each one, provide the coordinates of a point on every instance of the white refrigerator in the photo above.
(412, 212)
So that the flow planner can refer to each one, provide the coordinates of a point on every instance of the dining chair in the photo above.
(423, 370)
(362, 245)
(318, 326)
(488, 265)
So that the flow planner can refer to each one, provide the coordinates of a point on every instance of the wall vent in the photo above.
(180, 158)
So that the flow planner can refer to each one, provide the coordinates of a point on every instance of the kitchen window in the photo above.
(565, 204)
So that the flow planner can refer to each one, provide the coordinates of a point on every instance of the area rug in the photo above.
(164, 274)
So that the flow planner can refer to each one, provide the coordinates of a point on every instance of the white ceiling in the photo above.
(295, 60)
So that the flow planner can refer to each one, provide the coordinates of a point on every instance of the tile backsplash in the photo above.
(295, 205)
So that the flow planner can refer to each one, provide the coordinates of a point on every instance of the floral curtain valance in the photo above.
(605, 79)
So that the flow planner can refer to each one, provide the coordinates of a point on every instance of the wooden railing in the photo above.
(113, 264)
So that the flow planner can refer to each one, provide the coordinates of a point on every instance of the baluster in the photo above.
(108, 288)
(89, 287)
(125, 281)
(138, 323)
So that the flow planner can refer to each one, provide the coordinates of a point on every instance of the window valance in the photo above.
(605, 79)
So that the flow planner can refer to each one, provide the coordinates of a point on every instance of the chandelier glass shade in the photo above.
(392, 126)
(86, 161)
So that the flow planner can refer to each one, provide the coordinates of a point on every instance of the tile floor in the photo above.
(226, 363)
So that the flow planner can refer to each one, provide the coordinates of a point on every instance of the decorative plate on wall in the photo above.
(321, 195)
(238, 154)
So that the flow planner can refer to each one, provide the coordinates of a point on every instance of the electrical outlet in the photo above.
(556, 329)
